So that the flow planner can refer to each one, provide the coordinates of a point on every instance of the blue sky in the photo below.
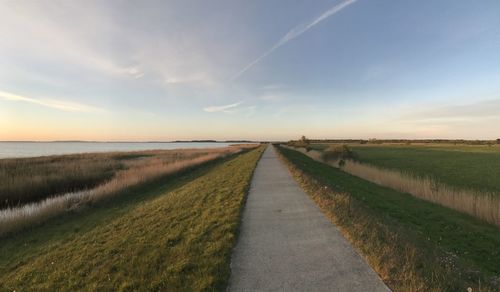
(166, 70)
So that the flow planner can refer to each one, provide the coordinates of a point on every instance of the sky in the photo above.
(159, 70)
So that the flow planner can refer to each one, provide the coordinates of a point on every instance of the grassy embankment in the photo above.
(447, 175)
(413, 244)
(174, 234)
(147, 167)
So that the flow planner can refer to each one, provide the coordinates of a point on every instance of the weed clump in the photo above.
(339, 153)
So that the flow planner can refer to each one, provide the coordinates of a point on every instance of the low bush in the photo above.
(339, 153)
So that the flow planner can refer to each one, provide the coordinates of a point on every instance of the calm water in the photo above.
(31, 149)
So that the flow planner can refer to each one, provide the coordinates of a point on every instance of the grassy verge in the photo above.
(480, 204)
(413, 244)
(173, 235)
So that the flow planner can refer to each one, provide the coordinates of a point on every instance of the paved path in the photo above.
(287, 244)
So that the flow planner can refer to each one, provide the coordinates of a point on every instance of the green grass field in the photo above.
(472, 246)
(460, 166)
(175, 234)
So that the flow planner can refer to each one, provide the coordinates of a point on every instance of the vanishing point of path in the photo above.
(287, 244)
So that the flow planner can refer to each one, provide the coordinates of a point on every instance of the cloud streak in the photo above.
(52, 103)
(481, 109)
(296, 32)
(82, 39)
(223, 108)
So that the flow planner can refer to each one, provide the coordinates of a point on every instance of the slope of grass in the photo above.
(136, 173)
(176, 234)
(413, 244)
(463, 169)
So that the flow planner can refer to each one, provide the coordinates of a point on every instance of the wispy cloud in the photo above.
(480, 109)
(82, 39)
(296, 32)
(52, 103)
(229, 108)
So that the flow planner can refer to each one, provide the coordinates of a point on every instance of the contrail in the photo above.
(295, 32)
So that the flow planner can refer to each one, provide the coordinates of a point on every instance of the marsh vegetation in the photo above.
(114, 172)
(175, 233)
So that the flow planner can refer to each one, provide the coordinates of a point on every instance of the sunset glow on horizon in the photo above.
(254, 70)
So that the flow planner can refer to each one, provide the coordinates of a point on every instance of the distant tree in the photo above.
(304, 143)
(498, 141)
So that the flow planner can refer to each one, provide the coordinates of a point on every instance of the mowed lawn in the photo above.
(463, 167)
(173, 235)
(473, 244)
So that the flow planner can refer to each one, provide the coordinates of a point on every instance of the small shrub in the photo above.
(338, 152)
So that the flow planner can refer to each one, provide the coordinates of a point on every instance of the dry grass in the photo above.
(26, 180)
(155, 165)
(485, 206)
(482, 205)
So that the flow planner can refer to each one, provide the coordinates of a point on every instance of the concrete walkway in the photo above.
(287, 244)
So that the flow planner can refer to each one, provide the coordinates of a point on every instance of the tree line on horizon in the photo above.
(304, 140)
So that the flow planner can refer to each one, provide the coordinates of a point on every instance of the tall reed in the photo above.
(482, 205)
(16, 218)
(27, 180)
